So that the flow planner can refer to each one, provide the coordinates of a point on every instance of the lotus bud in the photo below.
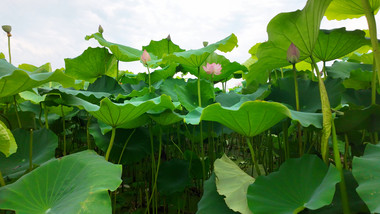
(145, 57)
(7, 29)
(205, 44)
(100, 29)
(293, 54)
(169, 38)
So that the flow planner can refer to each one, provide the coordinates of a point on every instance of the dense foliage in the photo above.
(300, 135)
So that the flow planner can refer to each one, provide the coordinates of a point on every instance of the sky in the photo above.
(52, 30)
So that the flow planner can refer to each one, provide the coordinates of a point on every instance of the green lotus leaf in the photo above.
(334, 44)
(8, 144)
(366, 171)
(188, 94)
(356, 204)
(43, 68)
(348, 9)
(44, 144)
(359, 119)
(118, 114)
(121, 52)
(173, 177)
(300, 183)
(2, 56)
(32, 96)
(250, 118)
(166, 118)
(228, 68)
(231, 98)
(76, 183)
(91, 64)
(164, 73)
(162, 48)
(169, 84)
(300, 27)
(309, 95)
(359, 79)
(211, 201)
(195, 58)
(14, 80)
(232, 182)
(343, 70)
(359, 97)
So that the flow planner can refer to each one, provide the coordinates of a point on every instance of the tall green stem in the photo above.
(338, 164)
(199, 87)
(111, 143)
(64, 130)
(9, 49)
(31, 150)
(373, 84)
(17, 116)
(150, 90)
(46, 117)
(298, 109)
(156, 173)
(88, 132)
(202, 153)
(2, 182)
(370, 16)
(254, 161)
(326, 113)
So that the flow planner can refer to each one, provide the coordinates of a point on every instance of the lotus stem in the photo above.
(254, 161)
(46, 117)
(150, 90)
(199, 87)
(326, 113)
(113, 133)
(156, 172)
(2, 182)
(9, 49)
(298, 109)
(125, 145)
(16, 110)
(369, 14)
(338, 164)
(202, 153)
(31, 150)
(373, 84)
(64, 130)
(88, 132)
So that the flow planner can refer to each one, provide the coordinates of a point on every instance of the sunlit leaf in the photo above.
(91, 64)
(348, 9)
(195, 58)
(211, 201)
(14, 80)
(300, 27)
(8, 144)
(334, 44)
(121, 52)
(162, 48)
(232, 182)
(76, 183)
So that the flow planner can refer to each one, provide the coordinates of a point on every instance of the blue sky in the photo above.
(51, 30)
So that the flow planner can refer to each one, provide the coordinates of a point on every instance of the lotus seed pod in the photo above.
(169, 38)
(7, 28)
(205, 44)
(100, 29)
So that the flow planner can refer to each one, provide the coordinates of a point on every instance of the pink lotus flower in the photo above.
(145, 57)
(293, 54)
(213, 69)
